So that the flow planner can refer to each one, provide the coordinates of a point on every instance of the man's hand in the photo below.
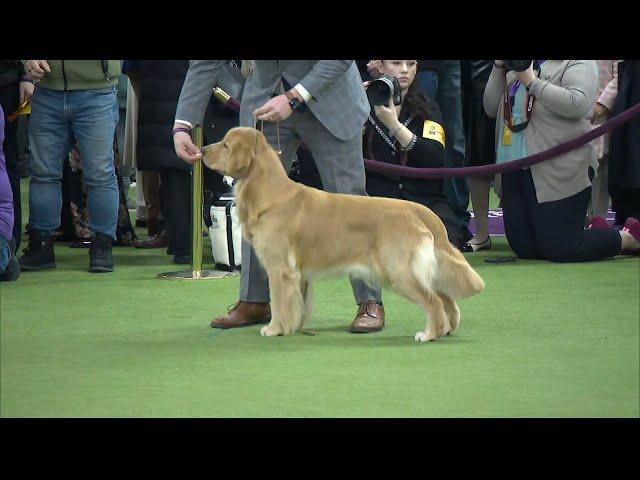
(36, 69)
(275, 110)
(26, 90)
(600, 113)
(185, 148)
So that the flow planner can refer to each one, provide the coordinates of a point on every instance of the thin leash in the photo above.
(255, 124)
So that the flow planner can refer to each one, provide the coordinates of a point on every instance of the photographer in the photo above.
(407, 132)
(538, 105)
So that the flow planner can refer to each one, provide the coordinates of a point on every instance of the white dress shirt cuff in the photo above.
(184, 122)
(303, 92)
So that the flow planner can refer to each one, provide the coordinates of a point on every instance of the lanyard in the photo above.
(508, 109)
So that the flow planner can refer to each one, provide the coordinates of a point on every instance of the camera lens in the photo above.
(379, 91)
(517, 65)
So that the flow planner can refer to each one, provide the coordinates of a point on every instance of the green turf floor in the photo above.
(543, 340)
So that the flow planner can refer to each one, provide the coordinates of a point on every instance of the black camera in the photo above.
(517, 65)
(382, 89)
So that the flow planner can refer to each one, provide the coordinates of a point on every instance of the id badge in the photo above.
(506, 135)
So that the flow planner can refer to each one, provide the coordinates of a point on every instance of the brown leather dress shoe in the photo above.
(243, 314)
(370, 318)
(156, 241)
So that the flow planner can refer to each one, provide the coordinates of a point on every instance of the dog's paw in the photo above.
(424, 337)
(269, 331)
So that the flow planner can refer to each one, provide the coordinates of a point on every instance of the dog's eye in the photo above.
(225, 145)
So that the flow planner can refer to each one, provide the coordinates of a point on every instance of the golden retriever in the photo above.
(300, 233)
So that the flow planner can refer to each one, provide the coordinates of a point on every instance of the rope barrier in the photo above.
(487, 170)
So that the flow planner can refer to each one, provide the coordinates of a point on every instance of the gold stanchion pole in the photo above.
(196, 272)
(196, 214)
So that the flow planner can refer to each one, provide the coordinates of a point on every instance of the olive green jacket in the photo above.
(80, 74)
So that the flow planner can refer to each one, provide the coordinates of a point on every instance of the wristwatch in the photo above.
(294, 103)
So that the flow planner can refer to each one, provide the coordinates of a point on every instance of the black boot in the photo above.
(100, 259)
(39, 253)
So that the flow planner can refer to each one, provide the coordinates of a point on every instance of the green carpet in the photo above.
(543, 340)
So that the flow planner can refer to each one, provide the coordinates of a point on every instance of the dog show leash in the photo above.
(255, 127)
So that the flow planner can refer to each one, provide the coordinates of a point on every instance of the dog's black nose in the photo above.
(202, 150)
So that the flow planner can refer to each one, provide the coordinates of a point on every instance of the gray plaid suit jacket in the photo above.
(339, 100)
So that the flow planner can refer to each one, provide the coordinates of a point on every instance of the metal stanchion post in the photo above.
(196, 272)
(196, 215)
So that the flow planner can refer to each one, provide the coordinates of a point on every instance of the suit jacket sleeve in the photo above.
(324, 74)
(196, 90)
(608, 95)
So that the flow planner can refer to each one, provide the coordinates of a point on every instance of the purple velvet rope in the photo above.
(487, 170)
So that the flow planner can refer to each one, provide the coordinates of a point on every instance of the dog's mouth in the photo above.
(226, 175)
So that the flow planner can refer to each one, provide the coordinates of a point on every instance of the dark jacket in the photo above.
(160, 83)
(624, 162)
(427, 153)
(10, 72)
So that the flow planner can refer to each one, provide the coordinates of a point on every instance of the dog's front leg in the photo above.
(287, 304)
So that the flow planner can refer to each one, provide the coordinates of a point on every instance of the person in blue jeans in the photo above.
(79, 97)
(449, 97)
(428, 76)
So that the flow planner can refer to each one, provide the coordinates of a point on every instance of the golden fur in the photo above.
(300, 233)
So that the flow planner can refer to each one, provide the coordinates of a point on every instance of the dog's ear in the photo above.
(242, 153)
(260, 144)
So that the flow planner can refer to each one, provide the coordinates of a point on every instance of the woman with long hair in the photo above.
(409, 134)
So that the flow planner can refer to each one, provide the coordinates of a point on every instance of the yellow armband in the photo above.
(433, 131)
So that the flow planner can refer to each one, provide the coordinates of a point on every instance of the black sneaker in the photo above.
(39, 253)
(100, 259)
(12, 272)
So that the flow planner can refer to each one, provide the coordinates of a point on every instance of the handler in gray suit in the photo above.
(324, 105)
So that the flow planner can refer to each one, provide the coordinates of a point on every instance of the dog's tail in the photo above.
(456, 278)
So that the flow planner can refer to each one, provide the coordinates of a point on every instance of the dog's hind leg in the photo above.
(287, 304)
(452, 312)
(307, 294)
(433, 306)
(414, 280)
